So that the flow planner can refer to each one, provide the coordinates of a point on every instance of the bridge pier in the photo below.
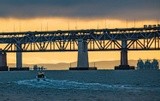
(124, 53)
(19, 56)
(19, 66)
(82, 62)
(18, 60)
(3, 61)
(124, 58)
(82, 54)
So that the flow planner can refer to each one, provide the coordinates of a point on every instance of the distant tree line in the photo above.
(148, 64)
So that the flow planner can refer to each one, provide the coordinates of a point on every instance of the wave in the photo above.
(66, 84)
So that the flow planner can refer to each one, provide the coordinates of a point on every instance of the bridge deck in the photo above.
(97, 39)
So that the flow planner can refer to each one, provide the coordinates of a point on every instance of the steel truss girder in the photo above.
(93, 45)
(98, 40)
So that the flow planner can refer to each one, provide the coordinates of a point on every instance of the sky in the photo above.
(43, 15)
(117, 9)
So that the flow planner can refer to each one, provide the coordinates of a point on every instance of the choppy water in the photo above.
(92, 80)
(65, 84)
(81, 86)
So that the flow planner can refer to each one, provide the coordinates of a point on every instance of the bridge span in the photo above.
(118, 39)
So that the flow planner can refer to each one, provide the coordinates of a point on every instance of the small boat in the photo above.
(40, 76)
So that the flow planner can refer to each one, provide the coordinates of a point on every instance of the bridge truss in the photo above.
(147, 38)
(97, 40)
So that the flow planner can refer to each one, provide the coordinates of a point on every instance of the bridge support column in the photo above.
(124, 53)
(3, 61)
(82, 63)
(19, 60)
(19, 56)
(19, 66)
(82, 54)
(124, 58)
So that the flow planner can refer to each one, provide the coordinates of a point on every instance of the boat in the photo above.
(40, 76)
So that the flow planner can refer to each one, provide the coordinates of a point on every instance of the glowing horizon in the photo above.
(50, 24)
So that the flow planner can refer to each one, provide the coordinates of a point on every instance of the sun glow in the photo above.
(47, 24)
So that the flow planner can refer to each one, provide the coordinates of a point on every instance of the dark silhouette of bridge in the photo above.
(118, 39)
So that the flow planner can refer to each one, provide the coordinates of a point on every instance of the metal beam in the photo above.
(97, 40)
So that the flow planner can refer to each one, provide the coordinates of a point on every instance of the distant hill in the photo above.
(65, 66)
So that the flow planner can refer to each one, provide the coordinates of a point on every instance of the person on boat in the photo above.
(40, 76)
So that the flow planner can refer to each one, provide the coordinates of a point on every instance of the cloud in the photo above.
(115, 9)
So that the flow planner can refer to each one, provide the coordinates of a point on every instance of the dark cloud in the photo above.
(116, 9)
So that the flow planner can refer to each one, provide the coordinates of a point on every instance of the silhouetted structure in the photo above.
(83, 63)
(19, 69)
(148, 65)
(35, 67)
(3, 61)
(117, 39)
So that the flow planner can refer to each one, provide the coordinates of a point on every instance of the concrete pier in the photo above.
(82, 54)
(124, 53)
(19, 65)
(82, 62)
(19, 56)
(124, 58)
(3, 61)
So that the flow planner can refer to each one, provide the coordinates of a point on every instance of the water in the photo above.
(81, 85)
(65, 84)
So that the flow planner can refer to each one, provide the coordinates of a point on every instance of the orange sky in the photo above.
(38, 24)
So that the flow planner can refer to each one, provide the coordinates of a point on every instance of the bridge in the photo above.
(118, 39)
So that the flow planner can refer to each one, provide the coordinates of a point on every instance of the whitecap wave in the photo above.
(65, 84)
